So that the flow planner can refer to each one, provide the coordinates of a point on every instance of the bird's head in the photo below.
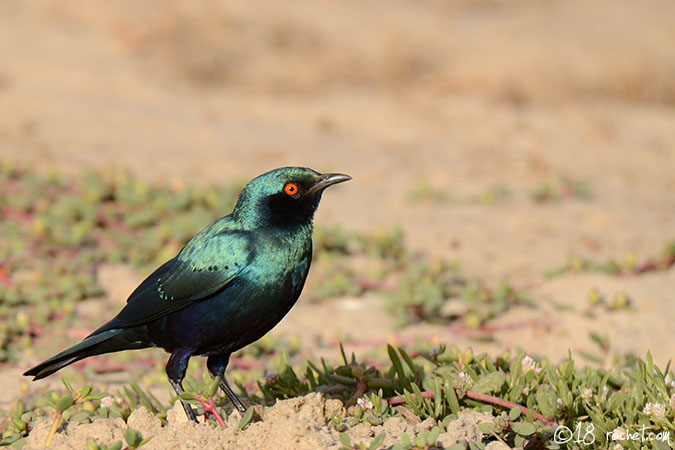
(283, 197)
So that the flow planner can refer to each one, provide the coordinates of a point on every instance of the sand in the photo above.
(297, 423)
(459, 95)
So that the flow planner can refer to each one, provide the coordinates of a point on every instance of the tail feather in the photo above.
(105, 342)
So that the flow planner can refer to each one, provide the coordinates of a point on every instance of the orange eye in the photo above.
(291, 188)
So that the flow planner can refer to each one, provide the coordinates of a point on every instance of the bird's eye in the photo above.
(291, 188)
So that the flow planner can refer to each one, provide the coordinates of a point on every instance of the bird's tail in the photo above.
(106, 342)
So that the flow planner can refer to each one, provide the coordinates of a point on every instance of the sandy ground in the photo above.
(290, 424)
(461, 95)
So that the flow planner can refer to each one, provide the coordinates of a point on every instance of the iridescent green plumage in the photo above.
(231, 284)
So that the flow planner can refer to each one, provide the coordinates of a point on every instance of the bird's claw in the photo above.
(189, 412)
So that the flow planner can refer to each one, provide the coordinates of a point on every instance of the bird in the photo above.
(225, 289)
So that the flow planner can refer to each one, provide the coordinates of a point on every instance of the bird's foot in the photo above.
(222, 382)
(189, 412)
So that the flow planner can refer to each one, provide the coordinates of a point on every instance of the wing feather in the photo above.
(205, 266)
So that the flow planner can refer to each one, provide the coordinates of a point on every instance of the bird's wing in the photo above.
(204, 266)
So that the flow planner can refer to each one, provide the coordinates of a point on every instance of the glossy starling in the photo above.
(229, 285)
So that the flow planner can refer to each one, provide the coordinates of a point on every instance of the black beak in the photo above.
(328, 179)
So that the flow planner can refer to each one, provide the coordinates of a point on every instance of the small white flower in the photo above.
(107, 401)
(588, 393)
(561, 405)
(526, 390)
(605, 391)
(669, 380)
(364, 403)
(655, 410)
(527, 363)
(617, 447)
(619, 434)
(466, 378)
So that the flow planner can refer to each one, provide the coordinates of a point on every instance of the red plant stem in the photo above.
(54, 427)
(397, 400)
(507, 404)
(361, 388)
(219, 418)
(210, 408)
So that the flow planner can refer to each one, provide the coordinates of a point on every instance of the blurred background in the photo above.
(530, 142)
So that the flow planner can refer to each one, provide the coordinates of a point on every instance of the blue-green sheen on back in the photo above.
(229, 285)
(246, 242)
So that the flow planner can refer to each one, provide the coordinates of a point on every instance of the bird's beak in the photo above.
(328, 179)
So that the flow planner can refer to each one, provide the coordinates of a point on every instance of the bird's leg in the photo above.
(188, 409)
(222, 382)
(217, 365)
(175, 370)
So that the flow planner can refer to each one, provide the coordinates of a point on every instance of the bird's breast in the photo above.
(257, 299)
(281, 263)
